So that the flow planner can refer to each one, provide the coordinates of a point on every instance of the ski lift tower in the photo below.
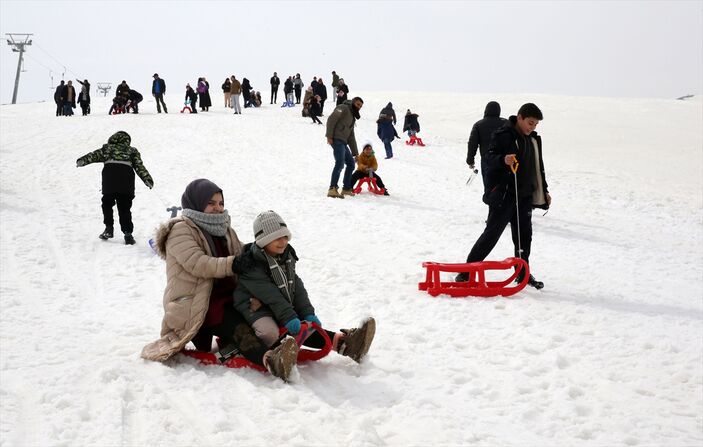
(18, 47)
(104, 87)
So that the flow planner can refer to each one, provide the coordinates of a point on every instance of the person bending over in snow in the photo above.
(366, 166)
(200, 249)
(121, 160)
(270, 293)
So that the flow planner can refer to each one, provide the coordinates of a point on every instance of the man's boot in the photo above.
(348, 192)
(333, 192)
(107, 234)
(129, 239)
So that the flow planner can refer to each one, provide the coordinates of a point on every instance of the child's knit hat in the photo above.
(268, 226)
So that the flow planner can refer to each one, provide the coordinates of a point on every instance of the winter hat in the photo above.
(198, 193)
(268, 226)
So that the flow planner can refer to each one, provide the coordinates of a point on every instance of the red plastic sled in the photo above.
(477, 284)
(304, 354)
(371, 186)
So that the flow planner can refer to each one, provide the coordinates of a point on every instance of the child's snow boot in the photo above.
(282, 359)
(357, 341)
(107, 234)
(129, 239)
(333, 192)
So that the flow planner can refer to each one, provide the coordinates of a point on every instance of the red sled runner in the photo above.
(371, 185)
(414, 140)
(304, 354)
(477, 284)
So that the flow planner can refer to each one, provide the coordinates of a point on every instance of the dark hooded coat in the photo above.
(482, 130)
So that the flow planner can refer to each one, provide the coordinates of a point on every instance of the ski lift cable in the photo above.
(59, 62)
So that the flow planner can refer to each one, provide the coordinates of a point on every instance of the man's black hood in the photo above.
(492, 109)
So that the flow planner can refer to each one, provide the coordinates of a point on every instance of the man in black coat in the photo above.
(321, 90)
(275, 82)
(57, 99)
(480, 137)
(514, 143)
(134, 99)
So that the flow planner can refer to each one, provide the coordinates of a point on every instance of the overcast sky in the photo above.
(580, 48)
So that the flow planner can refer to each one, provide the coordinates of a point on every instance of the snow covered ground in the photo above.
(610, 352)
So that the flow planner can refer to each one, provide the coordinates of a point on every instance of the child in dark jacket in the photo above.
(366, 166)
(121, 161)
(270, 293)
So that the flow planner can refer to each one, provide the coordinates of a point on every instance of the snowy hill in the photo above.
(610, 352)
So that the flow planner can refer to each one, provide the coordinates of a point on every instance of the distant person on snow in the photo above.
(366, 166)
(191, 99)
(341, 91)
(288, 91)
(411, 125)
(298, 87)
(246, 91)
(84, 96)
(226, 87)
(314, 109)
(340, 135)
(271, 294)
(385, 128)
(320, 90)
(134, 99)
(158, 90)
(480, 137)
(275, 81)
(204, 94)
(515, 142)
(57, 99)
(200, 248)
(68, 98)
(236, 92)
(120, 162)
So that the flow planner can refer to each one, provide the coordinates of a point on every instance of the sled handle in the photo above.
(514, 166)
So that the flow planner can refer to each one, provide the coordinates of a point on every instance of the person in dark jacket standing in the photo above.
(342, 90)
(517, 148)
(321, 90)
(275, 82)
(288, 91)
(158, 90)
(480, 137)
(57, 99)
(68, 98)
(298, 87)
(84, 96)
(340, 135)
(121, 160)
(204, 94)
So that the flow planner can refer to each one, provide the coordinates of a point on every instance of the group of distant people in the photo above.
(65, 98)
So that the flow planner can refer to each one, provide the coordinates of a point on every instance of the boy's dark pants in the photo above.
(498, 219)
(124, 209)
(357, 175)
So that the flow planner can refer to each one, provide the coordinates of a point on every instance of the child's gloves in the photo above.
(313, 319)
(293, 326)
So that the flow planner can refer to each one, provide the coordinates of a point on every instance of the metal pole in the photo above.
(17, 76)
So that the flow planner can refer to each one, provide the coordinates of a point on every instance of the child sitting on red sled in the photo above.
(270, 293)
(366, 166)
(412, 126)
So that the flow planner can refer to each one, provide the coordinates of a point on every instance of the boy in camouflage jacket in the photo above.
(121, 161)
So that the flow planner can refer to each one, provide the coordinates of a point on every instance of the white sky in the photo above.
(580, 48)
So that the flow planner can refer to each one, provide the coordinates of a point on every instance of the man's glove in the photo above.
(80, 163)
(293, 326)
(313, 319)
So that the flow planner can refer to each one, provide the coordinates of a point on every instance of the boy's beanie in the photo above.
(268, 226)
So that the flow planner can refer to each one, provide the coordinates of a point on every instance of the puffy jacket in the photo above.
(386, 130)
(365, 162)
(411, 123)
(340, 125)
(256, 281)
(121, 160)
(482, 130)
(190, 273)
(236, 88)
